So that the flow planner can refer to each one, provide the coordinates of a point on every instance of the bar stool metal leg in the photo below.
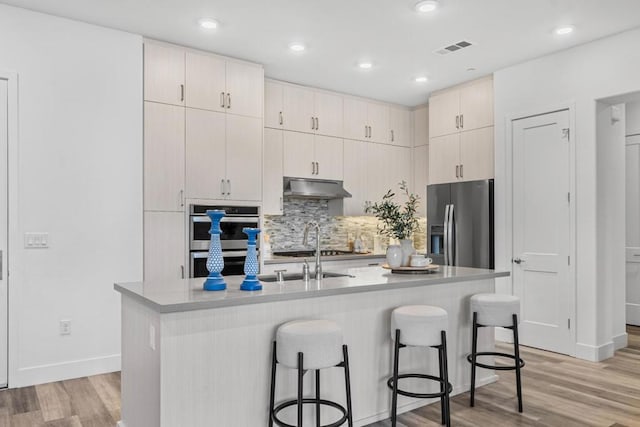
(446, 379)
(394, 399)
(347, 382)
(317, 397)
(442, 386)
(516, 348)
(474, 350)
(300, 375)
(273, 385)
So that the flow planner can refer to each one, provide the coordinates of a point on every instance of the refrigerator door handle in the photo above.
(446, 235)
(450, 234)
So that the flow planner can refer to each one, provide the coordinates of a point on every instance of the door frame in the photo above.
(13, 236)
(508, 197)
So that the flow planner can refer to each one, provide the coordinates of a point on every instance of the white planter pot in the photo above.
(394, 256)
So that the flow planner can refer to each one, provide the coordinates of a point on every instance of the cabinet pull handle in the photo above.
(317, 168)
(222, 187)
(313, 123)
(369, 131)
(228, 187)
(457, 122)
(228, 100)
(462, 121)
(457, 171)
(222, 105)
(281, 118)
(313, 168)
(366, 131)
(461, 175)
(281, 204)
(182, 271)
(392, 136)
(317, 124)
(181, 93)
(181, 196)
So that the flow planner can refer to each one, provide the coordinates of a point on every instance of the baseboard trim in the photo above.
(417, 404)
(594, 353)
(620, 341)
(63, 371)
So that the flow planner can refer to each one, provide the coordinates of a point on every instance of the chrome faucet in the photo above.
(318, 272)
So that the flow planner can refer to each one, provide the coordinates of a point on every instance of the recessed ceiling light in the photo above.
(421, 79)
(208, 23)
(471, 69)
(564, 30)
(297, 47)
(365, 65)
(427, 6)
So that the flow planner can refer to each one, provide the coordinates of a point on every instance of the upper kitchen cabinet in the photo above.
(302, 109)
(164, 73)
(312, 156)
(273, 172)
(400, 126)
(355, 176)
(465, 107)
(164, 157)
(421, 126)
(421, 176)
(223, 156)
(367, 121)
(219, 84)
(467, 156)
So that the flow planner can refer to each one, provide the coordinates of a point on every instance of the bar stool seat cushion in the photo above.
(320, 341)
(495, 309)
(420, 325)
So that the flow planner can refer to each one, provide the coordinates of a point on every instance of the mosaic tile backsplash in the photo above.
(285, 231)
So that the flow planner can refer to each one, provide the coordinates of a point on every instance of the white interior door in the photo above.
(4, 307)
(541, 231)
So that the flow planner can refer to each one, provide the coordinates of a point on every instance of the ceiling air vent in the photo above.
(454, 47)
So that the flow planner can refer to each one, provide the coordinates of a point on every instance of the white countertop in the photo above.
(186, 295)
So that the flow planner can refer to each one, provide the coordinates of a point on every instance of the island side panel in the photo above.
(140, 378)
(215, 363)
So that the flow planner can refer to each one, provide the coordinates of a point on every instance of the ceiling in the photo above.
(340, 33)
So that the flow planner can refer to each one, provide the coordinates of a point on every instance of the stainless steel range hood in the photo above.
(306, 188)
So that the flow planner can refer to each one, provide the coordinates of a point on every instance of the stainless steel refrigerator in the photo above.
(460, 224)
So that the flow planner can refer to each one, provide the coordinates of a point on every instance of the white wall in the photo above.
(575, 77)
(79, 178)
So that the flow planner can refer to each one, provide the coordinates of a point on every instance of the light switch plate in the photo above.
(34, 240)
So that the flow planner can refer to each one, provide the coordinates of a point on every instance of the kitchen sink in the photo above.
(298, 276)
(306, 253)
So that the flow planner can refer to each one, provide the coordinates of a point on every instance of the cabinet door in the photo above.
(329, 157)
(399, 170)
(378, 121)
(163, 157)
(632, 121)
(421, 176)
(443, 110)
(163, 74)
(421, 126)
(164, 246)
(244, 158)
(272, 172)
(399, 127)
(476, 104)
(378, 172)
(298, 109)
(355, 176)
(205, 141)
(298, 154)
(444, 156)
(245, 89)
(329, 113)
(273, 105)
(355, 119)
(205, 81)
(476, 154)
(632, 190)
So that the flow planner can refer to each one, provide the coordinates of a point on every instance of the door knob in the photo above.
(517, 260)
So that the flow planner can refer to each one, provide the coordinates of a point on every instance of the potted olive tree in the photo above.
(398, 222)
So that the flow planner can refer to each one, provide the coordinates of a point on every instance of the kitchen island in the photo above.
(196, 358)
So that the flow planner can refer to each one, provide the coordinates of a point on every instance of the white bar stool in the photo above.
(420, 326)
(495, 310)
(310, 345)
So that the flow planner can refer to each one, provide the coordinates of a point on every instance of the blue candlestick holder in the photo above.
(215, 263)
(251, 282)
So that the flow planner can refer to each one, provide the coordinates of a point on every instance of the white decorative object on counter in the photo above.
(407, 250)
(394, 256)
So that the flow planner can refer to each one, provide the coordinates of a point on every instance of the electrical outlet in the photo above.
(65, 327)
(152, 337)
(36, 240)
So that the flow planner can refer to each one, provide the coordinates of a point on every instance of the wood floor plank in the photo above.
(54, 401)
(27, 419)
(73, 421)
(108, 388)
(86, 403)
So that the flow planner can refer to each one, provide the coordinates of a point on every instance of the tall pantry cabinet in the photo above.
(202, 141)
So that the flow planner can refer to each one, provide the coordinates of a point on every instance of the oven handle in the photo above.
(204, 218)
(203, 254)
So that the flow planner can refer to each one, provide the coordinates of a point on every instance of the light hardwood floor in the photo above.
(558, 391)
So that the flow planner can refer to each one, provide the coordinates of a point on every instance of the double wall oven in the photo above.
(232, 239)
